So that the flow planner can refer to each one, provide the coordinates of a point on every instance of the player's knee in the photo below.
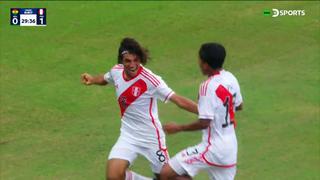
(165, 173)
(116, 175)
(115, 171)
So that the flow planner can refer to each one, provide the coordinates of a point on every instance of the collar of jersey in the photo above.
(216, 73)
(139, 71)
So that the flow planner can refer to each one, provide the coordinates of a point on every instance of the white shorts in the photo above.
(190, 162)
(128, 151)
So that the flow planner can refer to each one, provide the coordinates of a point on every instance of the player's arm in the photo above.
(184, 103)
(172, 128)
(88, 79)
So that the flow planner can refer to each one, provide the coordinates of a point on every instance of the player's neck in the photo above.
(213, 72)
(129, 76)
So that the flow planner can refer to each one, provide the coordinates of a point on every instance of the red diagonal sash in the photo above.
(131, 94)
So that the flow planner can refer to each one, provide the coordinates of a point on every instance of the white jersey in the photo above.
(218, 97)
(137, 99)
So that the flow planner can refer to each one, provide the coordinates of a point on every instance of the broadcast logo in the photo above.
(283, 12)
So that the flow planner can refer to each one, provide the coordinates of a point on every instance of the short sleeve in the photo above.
(108, 77)
(163, 92)
(238, 97)
(205, 106)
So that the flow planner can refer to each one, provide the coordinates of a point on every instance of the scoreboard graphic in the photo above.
(28, 16)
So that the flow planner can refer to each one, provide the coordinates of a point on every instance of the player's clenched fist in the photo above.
(86, 79)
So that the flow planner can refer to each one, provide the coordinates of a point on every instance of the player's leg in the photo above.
(159, 157)
(116, 169)
(121, 156)
(167, 173)
(185, 164)
(218, 173)
(130, 175)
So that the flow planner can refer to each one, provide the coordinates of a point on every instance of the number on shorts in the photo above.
(161, 156)
(192, 151)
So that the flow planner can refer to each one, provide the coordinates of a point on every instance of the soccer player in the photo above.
(137, 90)
(219, 98)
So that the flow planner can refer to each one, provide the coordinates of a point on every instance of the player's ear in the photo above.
(205, 66)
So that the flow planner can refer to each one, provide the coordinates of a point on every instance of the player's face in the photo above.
(131, 64)
(204, 67)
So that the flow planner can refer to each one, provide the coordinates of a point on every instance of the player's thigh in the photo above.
(121, 156)
(218, 173)
(116, 169)
(123, 150)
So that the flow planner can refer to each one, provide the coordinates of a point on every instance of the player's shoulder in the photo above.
(117, 70)
(206, 86)
(229, 75)
(213, 82)
(151, 77)
(226, 81)
(117, 67)
(149, 72)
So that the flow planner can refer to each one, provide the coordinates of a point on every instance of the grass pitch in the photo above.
(52, 127)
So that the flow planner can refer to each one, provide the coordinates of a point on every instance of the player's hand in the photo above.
(171, 128)
(86, 79)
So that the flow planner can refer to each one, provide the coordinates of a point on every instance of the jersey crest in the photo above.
(136, 90)
(131, 94)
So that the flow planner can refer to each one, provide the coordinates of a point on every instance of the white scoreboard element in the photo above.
(28, 20)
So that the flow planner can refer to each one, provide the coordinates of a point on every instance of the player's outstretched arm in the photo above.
(172, 128)
(184, 103)
(88, 79)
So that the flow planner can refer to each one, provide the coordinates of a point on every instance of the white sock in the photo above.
(130, 175)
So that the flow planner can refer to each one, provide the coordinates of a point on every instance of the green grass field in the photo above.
(53, 127)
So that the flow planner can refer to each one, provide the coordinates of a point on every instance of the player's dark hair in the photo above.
(133, 47)
(213, 54)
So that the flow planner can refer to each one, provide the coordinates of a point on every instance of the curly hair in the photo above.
(130, 45)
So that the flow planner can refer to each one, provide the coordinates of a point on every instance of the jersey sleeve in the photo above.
(238, 97)
(163, 92)
(205, 106)
(108, 77)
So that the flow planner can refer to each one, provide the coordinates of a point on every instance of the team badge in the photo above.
(136, 91)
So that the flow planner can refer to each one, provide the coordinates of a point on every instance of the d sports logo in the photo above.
(283, 12)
